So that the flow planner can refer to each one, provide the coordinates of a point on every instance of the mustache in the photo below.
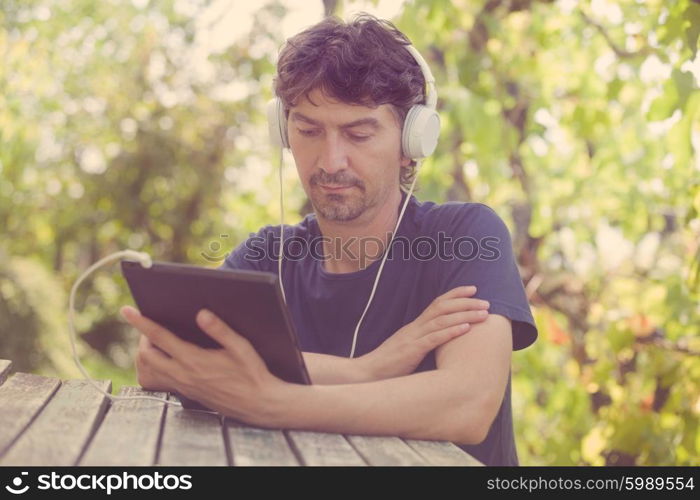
(338, 179)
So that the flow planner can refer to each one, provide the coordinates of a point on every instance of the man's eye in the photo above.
(309, 132)
(358, 137)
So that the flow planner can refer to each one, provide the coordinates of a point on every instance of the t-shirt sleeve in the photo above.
(482, 255)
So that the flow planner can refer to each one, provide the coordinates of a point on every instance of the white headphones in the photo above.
(421, 127)
(419, 138)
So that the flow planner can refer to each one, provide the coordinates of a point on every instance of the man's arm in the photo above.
(456, 402)
(329, 369)
(448, 316)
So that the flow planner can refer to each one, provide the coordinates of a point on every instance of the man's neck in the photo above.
(352, 246)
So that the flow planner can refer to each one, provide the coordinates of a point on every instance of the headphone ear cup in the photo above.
(277, 123)
(421, 129)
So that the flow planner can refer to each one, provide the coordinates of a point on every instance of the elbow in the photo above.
(478, 433)
(472, 434)
(473, 421)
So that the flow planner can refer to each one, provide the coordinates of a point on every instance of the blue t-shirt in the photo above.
(436, 248)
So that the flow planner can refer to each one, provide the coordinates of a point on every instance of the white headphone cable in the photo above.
(145, 261)
(279, 258)
(381, 266)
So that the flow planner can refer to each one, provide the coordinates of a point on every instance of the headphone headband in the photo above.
(421, 126)
(431, 90)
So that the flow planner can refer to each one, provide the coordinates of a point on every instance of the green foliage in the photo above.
(33, 325)
(116, 132)
(582, 118)
(579, 122)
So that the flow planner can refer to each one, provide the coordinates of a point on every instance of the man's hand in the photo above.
(448, 316)
(233, 380)
(149, 378)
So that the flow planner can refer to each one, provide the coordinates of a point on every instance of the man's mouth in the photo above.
(334, 188)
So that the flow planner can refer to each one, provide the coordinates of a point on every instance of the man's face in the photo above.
(348, 156)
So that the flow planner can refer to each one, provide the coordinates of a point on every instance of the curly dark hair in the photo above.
(360, 62)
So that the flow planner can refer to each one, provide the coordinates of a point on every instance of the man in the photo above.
(416, 371)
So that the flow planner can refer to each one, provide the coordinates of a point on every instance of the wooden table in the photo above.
(46, 421)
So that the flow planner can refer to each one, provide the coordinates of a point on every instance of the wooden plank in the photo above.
(5, 366)
(442, 453)
(251, 446)
(129, 432)
(318, 448)
(385, 451)
(60, 432)
(192, 437)
(22, 397)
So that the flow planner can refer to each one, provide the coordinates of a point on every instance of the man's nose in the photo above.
(334, 155)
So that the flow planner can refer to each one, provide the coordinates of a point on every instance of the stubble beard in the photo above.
(339, 207)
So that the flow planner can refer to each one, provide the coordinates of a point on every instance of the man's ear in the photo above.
(405, 162)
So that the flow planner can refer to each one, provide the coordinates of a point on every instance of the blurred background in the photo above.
(140, 124)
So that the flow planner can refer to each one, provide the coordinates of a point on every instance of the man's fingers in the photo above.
(449, 306)
(221, 332)
(159, 336)
(152, 363)
(460, 291)
(449, 320)
(146, 345)
(436, 339)
(461, 304)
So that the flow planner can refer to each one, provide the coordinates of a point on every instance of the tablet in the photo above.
(250, 302)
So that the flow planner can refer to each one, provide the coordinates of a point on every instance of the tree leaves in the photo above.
(601, 165)
(579, 125)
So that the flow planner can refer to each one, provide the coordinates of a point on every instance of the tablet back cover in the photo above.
(250, 302)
